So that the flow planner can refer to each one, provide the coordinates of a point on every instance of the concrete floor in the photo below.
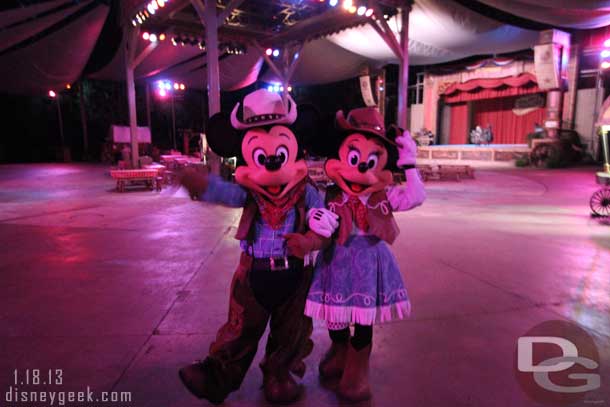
(120, 290)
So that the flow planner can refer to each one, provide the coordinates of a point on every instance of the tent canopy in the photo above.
(47, 45)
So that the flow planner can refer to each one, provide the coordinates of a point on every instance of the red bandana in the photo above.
(359, 212)
(274, 212)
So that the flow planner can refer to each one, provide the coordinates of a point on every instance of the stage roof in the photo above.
(47, 44)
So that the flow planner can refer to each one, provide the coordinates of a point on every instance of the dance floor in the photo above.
(119, 290)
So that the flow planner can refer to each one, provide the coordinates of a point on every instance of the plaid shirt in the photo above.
(267, 242)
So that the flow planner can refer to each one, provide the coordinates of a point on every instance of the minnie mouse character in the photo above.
(271, 281)
(357, 279)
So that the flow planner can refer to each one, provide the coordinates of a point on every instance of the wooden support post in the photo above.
(207, 15)
(60, 122)
(403, 73)
(381, 89)
(83, 120)
(131, 35)
(148, 113)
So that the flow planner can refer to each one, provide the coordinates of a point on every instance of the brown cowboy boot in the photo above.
(332, 364)
(354, 384)
(280, 388)
(200, 379)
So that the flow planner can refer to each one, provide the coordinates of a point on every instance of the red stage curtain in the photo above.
(458, 129)
(507, 127)
(479, 94)
(488, 88)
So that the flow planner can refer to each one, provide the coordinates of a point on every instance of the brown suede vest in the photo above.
(379, 215)
(245, 230)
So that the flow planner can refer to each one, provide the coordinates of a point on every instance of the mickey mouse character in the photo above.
(357, 279)
(271, 281)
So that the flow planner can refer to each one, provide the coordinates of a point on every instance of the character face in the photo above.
(360, 167)
(272, 168)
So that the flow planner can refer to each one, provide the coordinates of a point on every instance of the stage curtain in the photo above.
(507, 127)
(458, 128)
(488, 88)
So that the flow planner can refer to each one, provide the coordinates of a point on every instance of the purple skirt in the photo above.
(357, 283)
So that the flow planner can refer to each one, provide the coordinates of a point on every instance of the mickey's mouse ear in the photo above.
(307, 124)
(315, 133)
(222, 138)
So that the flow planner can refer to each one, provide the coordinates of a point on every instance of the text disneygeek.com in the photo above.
(24, 390)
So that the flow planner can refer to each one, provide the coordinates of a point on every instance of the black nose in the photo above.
(363, 167)
(273, 163)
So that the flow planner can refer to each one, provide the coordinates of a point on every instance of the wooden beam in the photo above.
(178, 7)
(295, 55)
(268, 60)
(397, 52)
(146, 52)
(224, 14)
(385, 27)
(333, 20)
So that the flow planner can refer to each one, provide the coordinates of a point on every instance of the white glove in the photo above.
(407, 149)
(322, 221)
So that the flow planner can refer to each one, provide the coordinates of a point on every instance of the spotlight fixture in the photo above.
(52, 94)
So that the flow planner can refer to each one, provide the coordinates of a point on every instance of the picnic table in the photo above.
(134, 177)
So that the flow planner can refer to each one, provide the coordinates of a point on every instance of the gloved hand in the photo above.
(194, 181)
(407, 149)
(298, 244)
(322, 221)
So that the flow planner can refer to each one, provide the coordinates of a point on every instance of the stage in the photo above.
(491, 155)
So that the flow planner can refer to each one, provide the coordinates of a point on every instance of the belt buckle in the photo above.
(278, 267)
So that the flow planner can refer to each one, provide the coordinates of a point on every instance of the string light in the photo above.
(147, 11)
(166, 87)
(278, 87)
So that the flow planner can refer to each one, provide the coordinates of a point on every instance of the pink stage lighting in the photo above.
(52, 94)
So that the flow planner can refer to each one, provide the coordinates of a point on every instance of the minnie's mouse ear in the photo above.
(393, 131)
(222, 138)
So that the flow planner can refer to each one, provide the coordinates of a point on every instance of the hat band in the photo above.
(371, 126)
(264, 117)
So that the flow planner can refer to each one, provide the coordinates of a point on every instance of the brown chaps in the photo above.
(236, 343)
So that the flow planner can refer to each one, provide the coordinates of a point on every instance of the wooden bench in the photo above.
(125, 177)
(456, 172)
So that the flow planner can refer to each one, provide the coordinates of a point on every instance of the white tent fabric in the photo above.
(439, 31)
(20, 32)
(580, 14)
(47, 45)
(40, 54)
